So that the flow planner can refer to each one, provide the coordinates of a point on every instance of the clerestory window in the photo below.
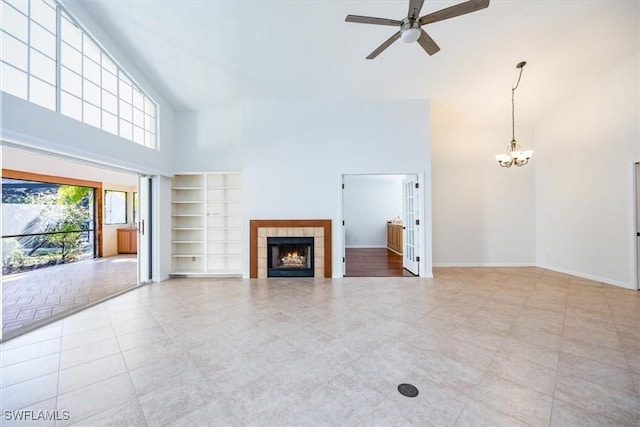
(49, 59)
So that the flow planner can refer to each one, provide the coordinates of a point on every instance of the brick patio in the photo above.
(35, 295)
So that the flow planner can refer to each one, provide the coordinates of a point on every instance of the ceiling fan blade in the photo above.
(453, 11)
(427, 43)
(414, 8)
(371, 20)
(384, 45)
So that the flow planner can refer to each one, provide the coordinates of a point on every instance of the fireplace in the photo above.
(290, 257)
(261, 229)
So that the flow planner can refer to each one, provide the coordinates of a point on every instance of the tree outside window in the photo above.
(115, 207)
(45, 224)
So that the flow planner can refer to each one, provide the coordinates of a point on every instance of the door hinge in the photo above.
(342, 222)
(417, 259)
(417, 222)
(343, 186)
(417, 185)
(344, 259)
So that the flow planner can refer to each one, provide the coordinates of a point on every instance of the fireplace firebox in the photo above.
(290, 257)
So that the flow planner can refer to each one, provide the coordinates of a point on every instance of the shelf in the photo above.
(199, 273)
(187, 273)
(207, 206)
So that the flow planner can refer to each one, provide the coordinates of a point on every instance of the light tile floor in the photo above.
(37, 295)
(490, 346)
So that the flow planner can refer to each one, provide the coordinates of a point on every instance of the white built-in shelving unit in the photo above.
(206, 224)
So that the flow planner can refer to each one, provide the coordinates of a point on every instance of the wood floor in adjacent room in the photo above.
(374, 262)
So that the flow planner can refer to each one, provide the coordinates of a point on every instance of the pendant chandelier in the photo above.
(514, 155)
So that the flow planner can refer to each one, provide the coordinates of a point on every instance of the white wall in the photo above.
(483, 214)
(369, 201)
(161, 233)
(584, 181)
(295, 152)
(219, 136)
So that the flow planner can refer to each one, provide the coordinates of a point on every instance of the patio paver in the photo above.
(38, 294)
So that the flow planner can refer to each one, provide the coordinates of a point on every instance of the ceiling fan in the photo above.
(410, 27)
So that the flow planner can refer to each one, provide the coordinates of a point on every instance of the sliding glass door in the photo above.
(145, 227)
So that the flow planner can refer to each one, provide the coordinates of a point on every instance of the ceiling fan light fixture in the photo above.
(410, 35)
(410, 27)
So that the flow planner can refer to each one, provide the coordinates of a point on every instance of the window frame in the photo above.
(108, 210)
(54, 92)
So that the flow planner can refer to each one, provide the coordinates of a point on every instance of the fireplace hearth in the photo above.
(290, 257)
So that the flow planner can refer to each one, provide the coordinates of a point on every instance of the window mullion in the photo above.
(100, 88)
(82, 75)
(58, 59)
(118, 100)
(29, 52)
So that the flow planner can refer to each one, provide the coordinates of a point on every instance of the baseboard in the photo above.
(588, 276)
(546, 267)
(483, 264)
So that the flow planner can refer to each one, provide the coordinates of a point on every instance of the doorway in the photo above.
(119, 198)
(376, 240)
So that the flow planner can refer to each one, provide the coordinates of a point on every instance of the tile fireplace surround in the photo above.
(260, 229)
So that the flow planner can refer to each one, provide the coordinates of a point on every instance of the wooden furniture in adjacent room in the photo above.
(394, 237)
(127, 241)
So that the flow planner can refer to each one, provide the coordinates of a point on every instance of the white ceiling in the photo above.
(203, 54)
(28, 161)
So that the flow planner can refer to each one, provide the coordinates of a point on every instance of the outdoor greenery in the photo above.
(56, 235)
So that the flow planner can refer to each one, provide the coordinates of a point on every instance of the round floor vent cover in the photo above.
(408, 390)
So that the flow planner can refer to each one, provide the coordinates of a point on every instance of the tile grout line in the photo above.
(134, 292)
(555, 383)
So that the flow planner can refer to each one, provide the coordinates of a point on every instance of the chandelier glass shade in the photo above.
(514, 155)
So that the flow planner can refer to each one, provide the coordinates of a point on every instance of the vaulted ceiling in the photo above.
(204, 54)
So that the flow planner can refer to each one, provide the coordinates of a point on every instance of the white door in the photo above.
(411, 225)
(144, 229)
(637, 224)
(344, 236)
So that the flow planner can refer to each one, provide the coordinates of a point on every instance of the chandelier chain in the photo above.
(513, 105)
